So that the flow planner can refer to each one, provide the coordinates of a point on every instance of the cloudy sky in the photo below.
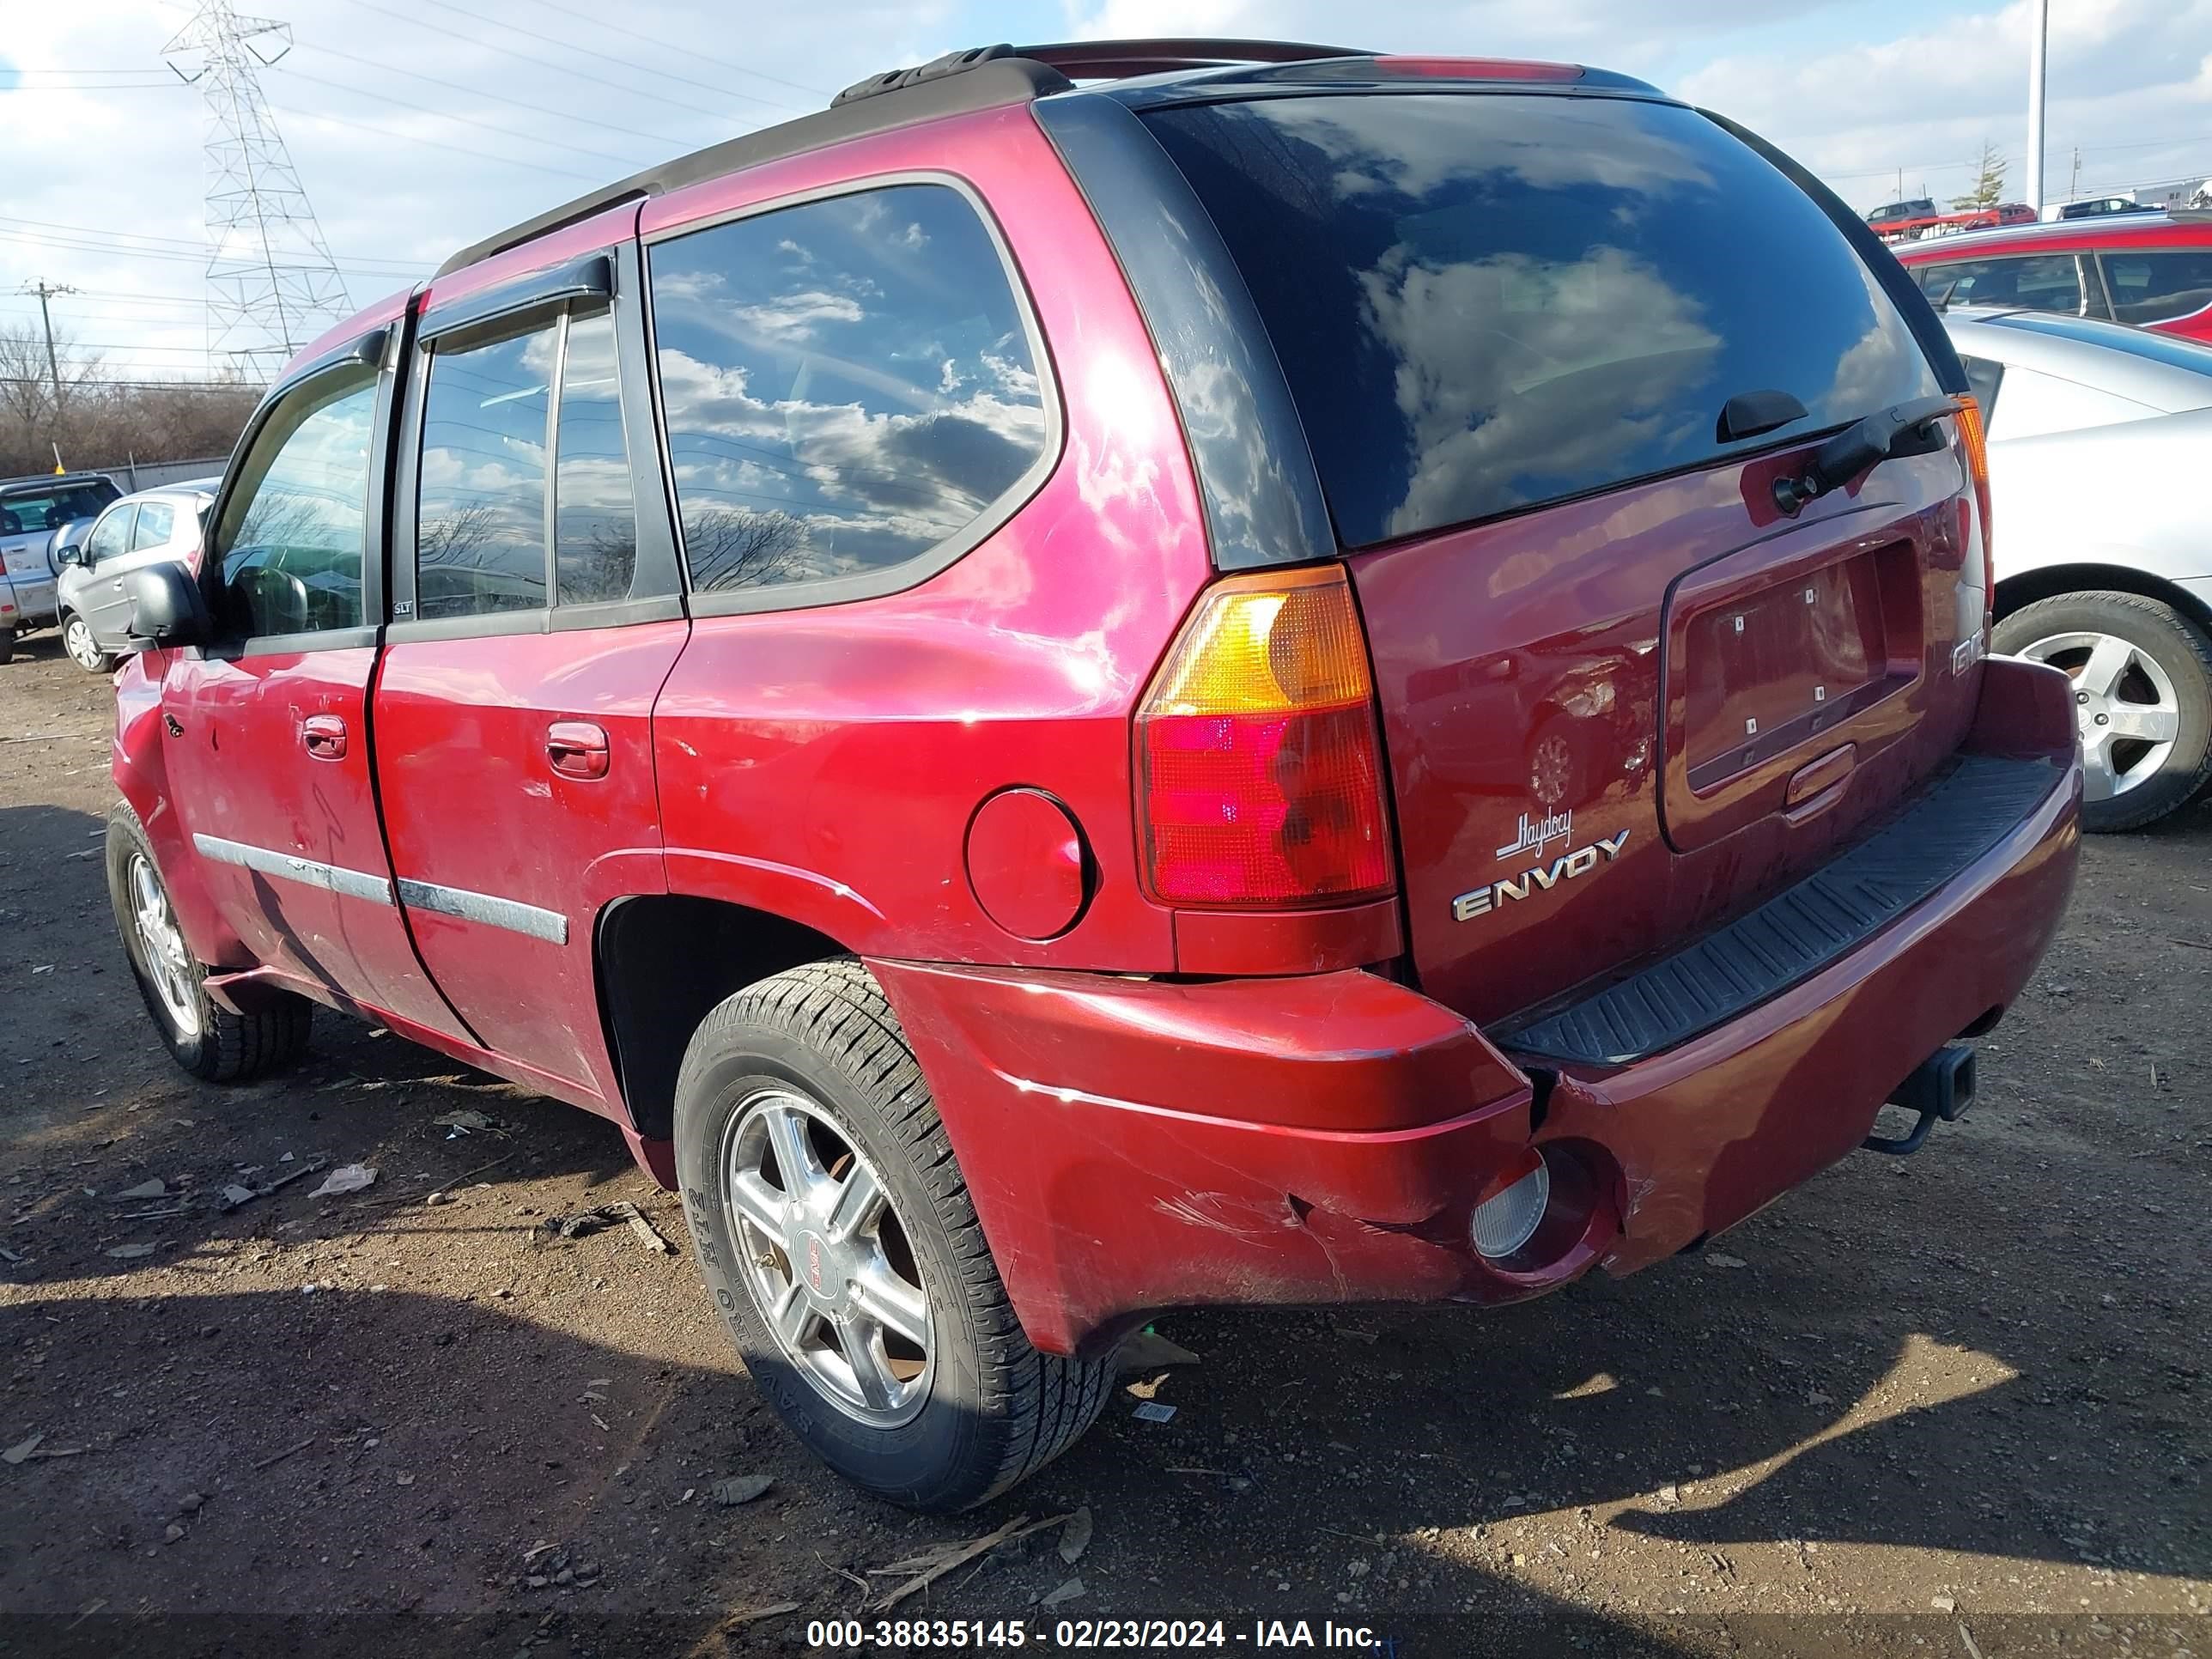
(418, 126)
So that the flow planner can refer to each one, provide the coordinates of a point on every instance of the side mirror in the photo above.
(167, 607)
(70, 554)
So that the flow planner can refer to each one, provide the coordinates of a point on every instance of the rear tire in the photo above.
(83, 650)
(206, 1039)
(953, 1418)
(6, 644)
(2139, 667)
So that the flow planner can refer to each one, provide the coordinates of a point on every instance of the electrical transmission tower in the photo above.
(272, 285)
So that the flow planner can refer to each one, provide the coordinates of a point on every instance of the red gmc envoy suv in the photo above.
(1288, 677)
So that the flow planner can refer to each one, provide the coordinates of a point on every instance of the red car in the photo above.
(2153, 270)
(1286, 678)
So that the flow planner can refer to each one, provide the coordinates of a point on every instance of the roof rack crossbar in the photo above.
(1100, 60)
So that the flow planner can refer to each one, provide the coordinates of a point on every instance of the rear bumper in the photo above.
(1132, 1145)
(33, 601)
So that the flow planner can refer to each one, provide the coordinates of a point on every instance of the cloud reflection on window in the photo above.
(847, 384)
(1486, 301)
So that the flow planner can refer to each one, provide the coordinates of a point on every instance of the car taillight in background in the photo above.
(1259, 762)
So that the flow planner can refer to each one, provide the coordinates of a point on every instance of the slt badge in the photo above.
(1568, 866)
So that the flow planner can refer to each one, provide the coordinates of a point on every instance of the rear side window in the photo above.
(480, 498)
(2156, 288)
(849, 389)
(2046, 282)
(1487, 302)
(156, 519)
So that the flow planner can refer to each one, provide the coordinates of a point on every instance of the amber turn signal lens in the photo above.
(1260, 765)
(1972, 429)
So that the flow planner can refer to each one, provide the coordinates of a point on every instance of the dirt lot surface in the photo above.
(1953, 1404)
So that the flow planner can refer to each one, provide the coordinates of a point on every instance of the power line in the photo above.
(433, 143)
(241, 388)
(627, 62)
(625, 162)
(198, 244)
(570, 116)
(419, 22)
(690, 51)
(46, 240)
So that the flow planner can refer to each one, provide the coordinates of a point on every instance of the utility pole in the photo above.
(2038, 42)
(2074, 184)
(46, 291)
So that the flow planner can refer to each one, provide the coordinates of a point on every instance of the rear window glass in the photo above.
(25, 510)
(2043, 281)
(1487, 302)
(2158, 286)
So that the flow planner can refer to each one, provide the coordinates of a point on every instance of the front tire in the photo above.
(84, 651)
(842, 1250)
(2143, 695)
(208, 1040)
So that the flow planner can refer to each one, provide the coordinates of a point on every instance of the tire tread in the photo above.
(1039, 1404)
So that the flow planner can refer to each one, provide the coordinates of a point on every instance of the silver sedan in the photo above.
(97, 556)
(2100, 441)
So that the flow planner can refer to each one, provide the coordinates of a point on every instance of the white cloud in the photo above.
(1856, 90)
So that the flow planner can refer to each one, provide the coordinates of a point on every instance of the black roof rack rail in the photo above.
(1100, 60)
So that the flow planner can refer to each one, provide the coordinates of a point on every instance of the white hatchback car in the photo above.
(93, 590)
(2100, 436)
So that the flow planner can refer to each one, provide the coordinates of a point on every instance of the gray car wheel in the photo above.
(2142, 698)
(84, 650)
(838, 1240)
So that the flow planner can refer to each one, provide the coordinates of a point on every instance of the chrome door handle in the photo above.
(578, 749)
(323, 736)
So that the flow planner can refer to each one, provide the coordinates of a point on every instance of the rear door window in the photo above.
(594, 510)
(850, 388)
(1483, 303)
(2158, 286)
(2044, 282)
(480, 498)
(156, 519)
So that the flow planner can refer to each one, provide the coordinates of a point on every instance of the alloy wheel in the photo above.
(826, 1260)
(161, 947)
(78, 641)
(2124, 703)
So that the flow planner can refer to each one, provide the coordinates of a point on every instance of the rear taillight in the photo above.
(1260, 768)
(1978, 462)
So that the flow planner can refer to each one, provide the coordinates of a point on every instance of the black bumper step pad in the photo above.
(1799, 930)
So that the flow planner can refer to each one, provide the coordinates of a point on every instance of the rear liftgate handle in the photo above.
(577, 749)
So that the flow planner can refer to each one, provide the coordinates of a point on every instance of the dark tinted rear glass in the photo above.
(1484, 302)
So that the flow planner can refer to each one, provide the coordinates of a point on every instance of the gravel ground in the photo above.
(1946, 1405)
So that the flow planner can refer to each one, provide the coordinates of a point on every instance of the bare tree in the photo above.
(100, 421)
(736, 547)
